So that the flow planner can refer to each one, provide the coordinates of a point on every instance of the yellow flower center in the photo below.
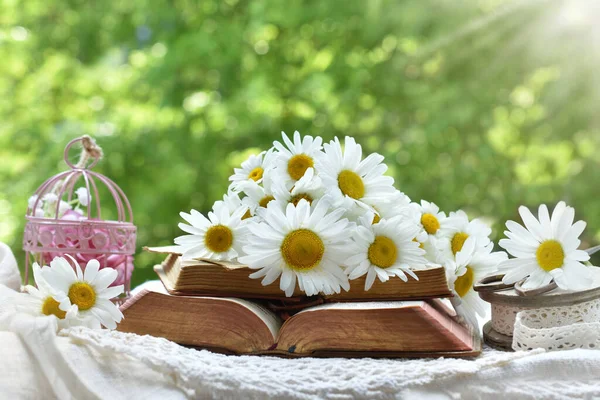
(458, 241)
(296, 199)
(376, 219)
(247, 215)
(550, 255)
(351, 184)
(302, 249)
(298, 165)
(83, 295)
(265, 200)
(430, 223)
(219, 238)
(383, 252)
(256, 174)
(464, 283)
(50, 307)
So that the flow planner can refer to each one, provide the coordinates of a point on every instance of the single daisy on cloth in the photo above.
(253, 168)
(457, 229)
(309, 188)
(300, 244)
(294, 158)
(384, 250)
(546, 249)
(88, 292)
(466, 268)
(43, 301)
(352, 181)
(218, 237)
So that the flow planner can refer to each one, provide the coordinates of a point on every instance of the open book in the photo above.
(373, 329)
(222, 278)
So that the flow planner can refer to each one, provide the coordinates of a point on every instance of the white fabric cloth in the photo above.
(114, 365)
(9, 271)
(85, 364)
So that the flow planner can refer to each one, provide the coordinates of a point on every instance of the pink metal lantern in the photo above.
(62, 220)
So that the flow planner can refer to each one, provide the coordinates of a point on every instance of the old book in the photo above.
(230, 325)
(212, 278)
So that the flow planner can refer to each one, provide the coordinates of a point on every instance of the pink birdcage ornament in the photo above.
(62, 220)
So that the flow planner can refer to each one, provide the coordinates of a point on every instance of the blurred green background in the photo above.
(480, 105)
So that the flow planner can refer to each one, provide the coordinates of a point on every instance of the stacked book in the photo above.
(213, 305)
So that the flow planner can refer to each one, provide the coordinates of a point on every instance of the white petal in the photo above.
(565, 222)
(574, 231)
(544, 217)
(91, 270)
(535, 280)
(578, 255)
(104, 278)
(371, 275)
(532, 224)
(286, 279)
(111, 292)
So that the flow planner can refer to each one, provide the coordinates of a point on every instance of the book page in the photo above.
(272, 321)
(367, 305)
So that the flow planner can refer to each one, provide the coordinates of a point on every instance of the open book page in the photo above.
(270, 319)
(367, 305)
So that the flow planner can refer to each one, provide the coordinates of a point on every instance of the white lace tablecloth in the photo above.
(81, 364)
(112, 365)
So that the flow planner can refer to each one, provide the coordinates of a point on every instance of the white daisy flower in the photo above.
(350, 180)
(83, 196)
(301, 244)
(218, 237)
(42, 301)
(233, 202)
(466, 268)
(431, 221)
(456, 230)
(294, 158)
(390, 206)
(87, 293)
(253, 168)
(257, 196)
(546, 249)
(309, 188)
(384, 250)
(387, 206)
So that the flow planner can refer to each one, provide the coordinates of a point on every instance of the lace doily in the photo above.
(503, 318)
(556, 328)
(202, 374)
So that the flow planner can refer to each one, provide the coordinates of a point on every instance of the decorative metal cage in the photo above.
(55, 227)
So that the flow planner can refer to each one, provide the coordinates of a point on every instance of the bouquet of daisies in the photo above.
(318, 215)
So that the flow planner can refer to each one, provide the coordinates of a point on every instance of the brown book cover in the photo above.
(423, 328)
(220, 278)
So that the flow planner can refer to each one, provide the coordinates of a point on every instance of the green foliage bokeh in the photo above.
(480, 105)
